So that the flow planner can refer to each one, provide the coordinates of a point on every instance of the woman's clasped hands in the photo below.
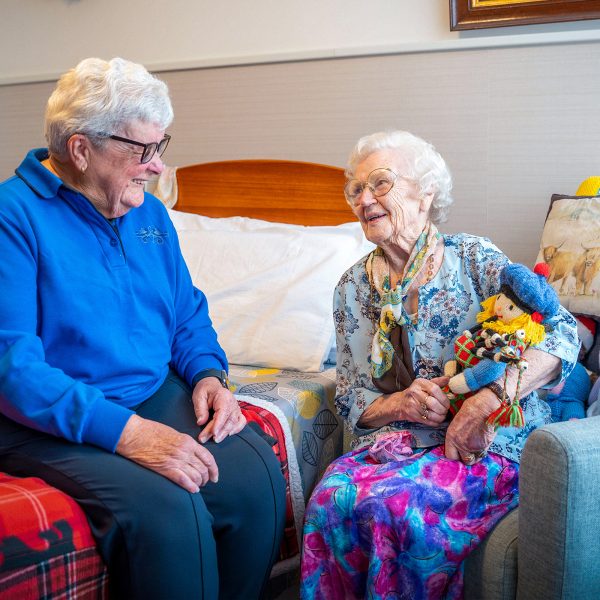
(468, 435)
(425, 402)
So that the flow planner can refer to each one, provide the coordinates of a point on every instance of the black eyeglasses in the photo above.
(149, 149)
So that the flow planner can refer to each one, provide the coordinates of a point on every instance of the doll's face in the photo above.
(505, 309)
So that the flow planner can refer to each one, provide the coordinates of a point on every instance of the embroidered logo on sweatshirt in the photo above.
(151, 235)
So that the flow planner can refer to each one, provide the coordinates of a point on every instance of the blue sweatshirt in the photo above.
(92, 313)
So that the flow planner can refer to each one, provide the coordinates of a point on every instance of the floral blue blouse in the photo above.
(447, 305)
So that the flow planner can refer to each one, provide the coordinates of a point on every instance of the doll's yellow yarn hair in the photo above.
(534, 332)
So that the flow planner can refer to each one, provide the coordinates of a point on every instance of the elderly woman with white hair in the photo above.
(396, 516)
(113, 386)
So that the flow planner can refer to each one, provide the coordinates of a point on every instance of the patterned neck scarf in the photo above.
(392, 312)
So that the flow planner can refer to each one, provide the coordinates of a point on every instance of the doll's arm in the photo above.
(477, 376)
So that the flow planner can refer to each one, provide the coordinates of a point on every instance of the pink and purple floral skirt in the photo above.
(400, 529)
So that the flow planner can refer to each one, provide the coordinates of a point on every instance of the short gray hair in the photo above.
(427, 167)
(101, 97)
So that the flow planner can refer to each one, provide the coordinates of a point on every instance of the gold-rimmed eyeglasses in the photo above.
(379, 181)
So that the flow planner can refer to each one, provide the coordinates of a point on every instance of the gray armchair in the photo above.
(548, 548)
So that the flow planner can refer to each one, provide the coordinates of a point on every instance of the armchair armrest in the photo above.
(559, 512)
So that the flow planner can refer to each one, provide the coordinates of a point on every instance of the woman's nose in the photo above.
(366, 197)
(156, 164)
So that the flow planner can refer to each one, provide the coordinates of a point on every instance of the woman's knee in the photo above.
(166, 507)
(263, 466)
(251, 487)
(168, 547)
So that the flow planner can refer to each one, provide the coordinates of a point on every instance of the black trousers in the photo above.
(159, 541)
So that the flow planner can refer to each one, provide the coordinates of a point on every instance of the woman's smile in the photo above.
(376, 217)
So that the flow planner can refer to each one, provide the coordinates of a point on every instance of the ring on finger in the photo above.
(469, 458)
(480, 454)
(424, 411)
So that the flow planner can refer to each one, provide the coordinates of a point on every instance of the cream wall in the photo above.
(515, 122)
(170, 33)
(39, 39)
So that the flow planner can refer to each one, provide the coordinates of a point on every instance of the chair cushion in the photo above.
(491, 569)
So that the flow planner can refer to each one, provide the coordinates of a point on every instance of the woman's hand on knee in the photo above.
(227, 418)
(176, 456)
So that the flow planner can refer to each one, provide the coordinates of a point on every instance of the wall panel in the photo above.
(515, 124)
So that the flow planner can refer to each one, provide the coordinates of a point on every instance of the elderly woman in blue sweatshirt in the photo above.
(112, 381)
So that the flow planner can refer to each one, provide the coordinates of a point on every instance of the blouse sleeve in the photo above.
(354, 330)
(561, 341)
(485, 262)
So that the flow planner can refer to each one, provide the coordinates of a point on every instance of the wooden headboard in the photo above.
(273, 190)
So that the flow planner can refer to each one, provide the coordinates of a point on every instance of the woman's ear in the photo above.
(426, 199)
(78, 151)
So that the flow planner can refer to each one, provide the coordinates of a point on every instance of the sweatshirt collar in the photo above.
(44, 183)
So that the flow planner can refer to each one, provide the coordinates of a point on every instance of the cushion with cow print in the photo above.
(570, 245)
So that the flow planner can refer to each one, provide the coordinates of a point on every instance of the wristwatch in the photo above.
(220, 374)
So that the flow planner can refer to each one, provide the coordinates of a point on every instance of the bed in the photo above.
(266, 241)
(271, 240)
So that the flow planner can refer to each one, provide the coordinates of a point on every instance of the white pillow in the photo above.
(269, 285)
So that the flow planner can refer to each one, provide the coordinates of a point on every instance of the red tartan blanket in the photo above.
(46, 547)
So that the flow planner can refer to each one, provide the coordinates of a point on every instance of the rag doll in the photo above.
(509, 323)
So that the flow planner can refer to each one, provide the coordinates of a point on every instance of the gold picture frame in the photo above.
(479, 14)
